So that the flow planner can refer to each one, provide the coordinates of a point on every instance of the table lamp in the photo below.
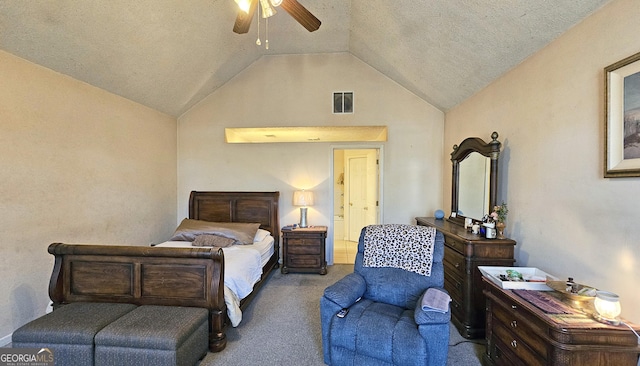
(607, 307)
(303, 198)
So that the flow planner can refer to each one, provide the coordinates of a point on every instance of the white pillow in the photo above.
(260, 235)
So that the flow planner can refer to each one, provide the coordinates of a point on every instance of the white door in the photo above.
(357, 173)
(357, 195)
(361, 180)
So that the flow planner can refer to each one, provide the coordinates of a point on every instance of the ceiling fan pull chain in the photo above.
(258, 42)
(266, 33)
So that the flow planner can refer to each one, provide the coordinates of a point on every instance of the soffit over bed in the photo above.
(305, 134)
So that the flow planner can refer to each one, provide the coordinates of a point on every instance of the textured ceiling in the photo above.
(169, 54)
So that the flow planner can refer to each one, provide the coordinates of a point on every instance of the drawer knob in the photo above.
(457, 265)
(514, 324)
(514, 307)
(514, 344)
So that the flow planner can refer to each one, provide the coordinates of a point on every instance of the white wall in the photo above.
(567, 219)
(296, 90)
(78, 165)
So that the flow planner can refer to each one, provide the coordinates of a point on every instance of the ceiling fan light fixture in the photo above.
(244, 5)
(267, 9)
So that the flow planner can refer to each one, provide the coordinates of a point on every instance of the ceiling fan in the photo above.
(293, 7)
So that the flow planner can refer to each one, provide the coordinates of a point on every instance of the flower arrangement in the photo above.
(499, 213)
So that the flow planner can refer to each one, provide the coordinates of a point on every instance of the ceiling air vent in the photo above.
(342, 102)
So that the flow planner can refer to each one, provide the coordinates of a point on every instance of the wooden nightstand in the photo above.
(303, 249)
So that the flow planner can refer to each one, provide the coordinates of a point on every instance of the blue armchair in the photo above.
(385, 323)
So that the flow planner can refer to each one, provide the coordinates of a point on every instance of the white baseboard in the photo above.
(5, 340)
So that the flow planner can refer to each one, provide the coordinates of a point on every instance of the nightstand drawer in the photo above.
(304, 248)
(304, 242)
(303, 260)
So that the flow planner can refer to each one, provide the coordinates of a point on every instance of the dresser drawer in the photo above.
(454, 263)
(454, 244)
(500, 355)
(513, 346)
(457, 309)
(508, 310)
(454, 286)
(520, 328)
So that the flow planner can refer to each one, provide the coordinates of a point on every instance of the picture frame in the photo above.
(622, 118)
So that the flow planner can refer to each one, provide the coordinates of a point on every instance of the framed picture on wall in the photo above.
(622, 118)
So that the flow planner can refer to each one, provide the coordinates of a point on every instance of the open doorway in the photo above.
(356, 192)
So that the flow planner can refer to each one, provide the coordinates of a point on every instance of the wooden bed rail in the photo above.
(142, 276)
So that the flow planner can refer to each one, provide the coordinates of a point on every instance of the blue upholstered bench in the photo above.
(69, 331)
(154, 335)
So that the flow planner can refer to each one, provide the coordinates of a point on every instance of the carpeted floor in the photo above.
(282, 326)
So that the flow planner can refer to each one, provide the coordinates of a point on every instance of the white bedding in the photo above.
(242, 269)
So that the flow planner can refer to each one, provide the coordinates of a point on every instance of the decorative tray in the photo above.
(518, 278)
(582, 292)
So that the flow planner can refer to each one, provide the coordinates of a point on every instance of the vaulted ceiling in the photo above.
(169, 54)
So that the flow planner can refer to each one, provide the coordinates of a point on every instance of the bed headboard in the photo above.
(261, 207)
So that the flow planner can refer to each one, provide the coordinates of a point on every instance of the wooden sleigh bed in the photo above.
(166, 276)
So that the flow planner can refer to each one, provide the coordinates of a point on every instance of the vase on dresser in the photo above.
(500, 229)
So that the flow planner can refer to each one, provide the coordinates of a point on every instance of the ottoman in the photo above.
(154, 335)
(69, 331)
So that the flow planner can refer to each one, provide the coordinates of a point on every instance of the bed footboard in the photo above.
(142, 276)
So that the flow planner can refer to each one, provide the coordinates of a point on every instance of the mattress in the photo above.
(242, 269)
(266, 249)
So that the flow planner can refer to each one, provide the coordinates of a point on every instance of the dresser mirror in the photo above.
(474, 178)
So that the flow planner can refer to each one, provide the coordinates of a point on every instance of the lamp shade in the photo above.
(607, 305)
(303, 198)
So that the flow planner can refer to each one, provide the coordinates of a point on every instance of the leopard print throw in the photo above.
(409, 247)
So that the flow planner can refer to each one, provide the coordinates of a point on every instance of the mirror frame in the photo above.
(460, 152)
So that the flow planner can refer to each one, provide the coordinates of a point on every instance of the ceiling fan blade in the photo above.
(243, 20)
(301, 14)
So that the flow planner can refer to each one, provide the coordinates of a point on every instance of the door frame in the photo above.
(380, 208)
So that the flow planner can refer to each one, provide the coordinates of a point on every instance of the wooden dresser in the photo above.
(303, 250)
(519, 333)
(463, 253)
